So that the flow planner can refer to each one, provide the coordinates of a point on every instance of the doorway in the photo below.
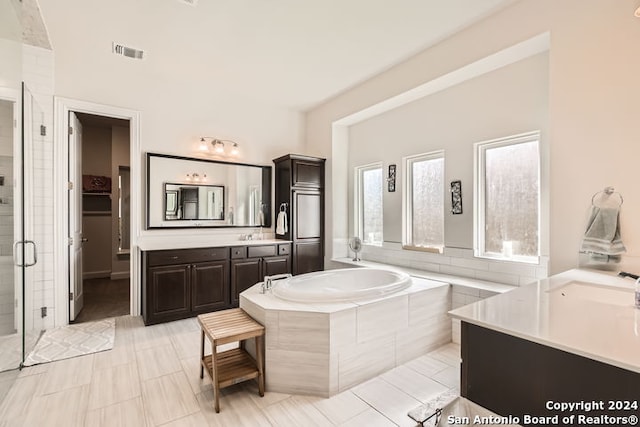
(70, 161)
(102, 211)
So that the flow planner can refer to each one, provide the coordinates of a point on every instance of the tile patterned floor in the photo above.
(151, 378)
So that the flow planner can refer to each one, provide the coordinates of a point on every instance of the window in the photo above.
(424, 198)
(368, 194)
(508, 198)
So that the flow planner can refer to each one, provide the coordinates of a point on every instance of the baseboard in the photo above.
(120, 275)
(96, 274)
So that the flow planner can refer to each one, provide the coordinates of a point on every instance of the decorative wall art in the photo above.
(391, 180)
(456, 197)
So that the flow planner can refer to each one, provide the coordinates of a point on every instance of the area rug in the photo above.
(73, 340)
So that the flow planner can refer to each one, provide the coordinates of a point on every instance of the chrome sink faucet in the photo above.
(267, 283)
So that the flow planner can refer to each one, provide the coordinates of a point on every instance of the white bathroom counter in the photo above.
(588, 313)
(198, 242)
(429, 275)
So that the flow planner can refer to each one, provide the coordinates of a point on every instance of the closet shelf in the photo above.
(96, 213)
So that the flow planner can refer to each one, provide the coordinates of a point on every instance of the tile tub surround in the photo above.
(323, 349)
(464, 290)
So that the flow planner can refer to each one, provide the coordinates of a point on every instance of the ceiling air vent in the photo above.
(120, 49)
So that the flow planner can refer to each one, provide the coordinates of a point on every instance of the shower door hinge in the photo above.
(70, 130)
(69, 185)
(70, 296)
(70, 241)
(43, 130)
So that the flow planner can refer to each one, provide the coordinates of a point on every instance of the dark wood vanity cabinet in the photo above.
(299, 186)
(250, 264)
(183, 283)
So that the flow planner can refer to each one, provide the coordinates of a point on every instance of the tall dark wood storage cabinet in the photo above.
(299, 186)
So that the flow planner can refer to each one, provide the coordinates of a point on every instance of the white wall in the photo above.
(594, 97)
(175, 110)
(508, 101)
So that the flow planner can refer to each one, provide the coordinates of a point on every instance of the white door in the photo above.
(76, 294)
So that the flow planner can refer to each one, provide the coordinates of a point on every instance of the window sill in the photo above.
(430, 249)
(514, 259)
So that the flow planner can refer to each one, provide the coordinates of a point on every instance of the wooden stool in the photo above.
(232, 366)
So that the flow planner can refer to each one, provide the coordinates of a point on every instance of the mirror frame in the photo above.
(266, 190)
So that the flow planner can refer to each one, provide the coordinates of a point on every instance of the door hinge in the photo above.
(43, 311)
(69, 185)
(43, 130)
(70, 296)
(70, 241)
(70, 130)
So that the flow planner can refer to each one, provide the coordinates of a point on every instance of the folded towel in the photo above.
(603, 232)
(281, 223)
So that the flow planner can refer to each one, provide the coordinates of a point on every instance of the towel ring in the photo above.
(283, 207)
(608, 191)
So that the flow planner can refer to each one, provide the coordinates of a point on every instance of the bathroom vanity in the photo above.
(181, 283)
(574, 337)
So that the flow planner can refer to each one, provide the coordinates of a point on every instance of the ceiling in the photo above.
(291, 53)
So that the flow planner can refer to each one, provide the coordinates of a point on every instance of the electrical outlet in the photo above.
(43, 311)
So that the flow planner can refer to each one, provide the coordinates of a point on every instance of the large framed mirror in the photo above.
(185, 192)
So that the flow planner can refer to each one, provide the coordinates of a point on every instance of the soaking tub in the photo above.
(328, 331)
(342, 285)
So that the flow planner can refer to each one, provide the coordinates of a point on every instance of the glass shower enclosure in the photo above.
(21, 140)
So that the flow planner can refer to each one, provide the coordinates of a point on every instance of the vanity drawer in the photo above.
(186, 256)
(238, 252)
(284, 249)
(260, 251)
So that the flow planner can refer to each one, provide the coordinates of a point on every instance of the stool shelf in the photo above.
(233, 366)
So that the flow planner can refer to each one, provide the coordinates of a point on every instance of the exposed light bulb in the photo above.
(203, 145)
(234, 149)
(637, 14)
(219, 147)
(188, 177)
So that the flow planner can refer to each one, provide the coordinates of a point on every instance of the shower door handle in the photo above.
(35, 253)
(15, 253)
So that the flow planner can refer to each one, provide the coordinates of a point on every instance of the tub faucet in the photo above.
(630, 275)
(267, 283)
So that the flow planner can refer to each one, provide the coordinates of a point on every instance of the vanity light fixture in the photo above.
(637, 13)
(196, 177)
(219, 145)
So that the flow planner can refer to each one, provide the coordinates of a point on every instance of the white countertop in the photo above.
(187, 243)
(584, 312)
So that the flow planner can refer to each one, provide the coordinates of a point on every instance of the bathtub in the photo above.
(341, 285)
(323, 348)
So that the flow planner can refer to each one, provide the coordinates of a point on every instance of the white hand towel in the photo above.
(281, 223)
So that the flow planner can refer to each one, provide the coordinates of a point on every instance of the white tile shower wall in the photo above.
(37, 68)
(7, 286)
(458, 262)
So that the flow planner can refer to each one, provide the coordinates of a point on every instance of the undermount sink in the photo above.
(593, 292)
